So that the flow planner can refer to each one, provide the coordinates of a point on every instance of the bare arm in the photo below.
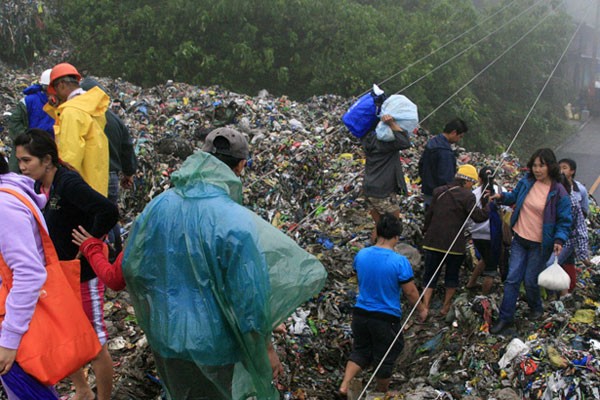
(412, 294)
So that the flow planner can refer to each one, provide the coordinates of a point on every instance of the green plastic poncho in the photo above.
(209, 279)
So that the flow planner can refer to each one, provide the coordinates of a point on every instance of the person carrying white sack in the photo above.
(403, 111)
(541, 223)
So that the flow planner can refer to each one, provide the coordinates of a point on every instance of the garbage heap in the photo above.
(305, 177)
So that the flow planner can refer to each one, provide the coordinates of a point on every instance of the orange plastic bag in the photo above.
(60, 338)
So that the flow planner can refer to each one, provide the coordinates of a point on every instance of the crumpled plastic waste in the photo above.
(528, 366)
(584, 317)
(305, 177)
(556, 359)
(300, 323)
(433, 343)
(515, 348)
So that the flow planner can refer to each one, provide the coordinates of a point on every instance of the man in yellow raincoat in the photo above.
(79, 128)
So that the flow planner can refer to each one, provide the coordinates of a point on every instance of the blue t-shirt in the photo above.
(380, 274)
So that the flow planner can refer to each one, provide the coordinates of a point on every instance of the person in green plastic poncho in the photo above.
(209, 279)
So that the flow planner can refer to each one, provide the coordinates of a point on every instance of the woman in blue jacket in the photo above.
(541, 224)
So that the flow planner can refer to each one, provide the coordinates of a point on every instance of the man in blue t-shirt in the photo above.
(383, 275)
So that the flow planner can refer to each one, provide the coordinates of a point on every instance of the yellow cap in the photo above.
(467, 172)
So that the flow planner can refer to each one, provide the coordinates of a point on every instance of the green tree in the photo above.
(305, 47)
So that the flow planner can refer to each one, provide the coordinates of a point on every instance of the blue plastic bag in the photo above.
(403, 111)
(363, 115)
(25, 386)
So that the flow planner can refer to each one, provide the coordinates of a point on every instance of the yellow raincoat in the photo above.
(79, 132)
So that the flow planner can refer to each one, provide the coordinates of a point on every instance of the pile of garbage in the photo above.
(305, 177)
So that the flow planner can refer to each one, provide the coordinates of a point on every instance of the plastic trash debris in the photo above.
(584, 316)
(300, 323)
(556, 359)
(515, 348)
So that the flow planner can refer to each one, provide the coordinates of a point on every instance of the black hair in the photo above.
(547, 158)
(389, 226)
(39, 144)
(571, 163)
(222, 148)
(457, 125)
(565, 182)
(486, 174)
(3, 165)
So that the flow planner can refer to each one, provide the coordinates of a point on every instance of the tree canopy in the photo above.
(305, 47)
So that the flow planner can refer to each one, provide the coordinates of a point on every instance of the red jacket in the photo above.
(110, 274)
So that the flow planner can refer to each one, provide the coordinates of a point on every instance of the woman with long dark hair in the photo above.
(72, 202)
(541, 223)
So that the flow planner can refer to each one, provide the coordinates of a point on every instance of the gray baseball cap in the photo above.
(238, 145)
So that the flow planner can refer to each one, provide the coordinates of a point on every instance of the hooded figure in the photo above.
(80, 121)
(30, 113)
(80, 136)
(209, 280)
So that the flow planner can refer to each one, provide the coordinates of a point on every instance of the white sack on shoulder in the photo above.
(403, 111)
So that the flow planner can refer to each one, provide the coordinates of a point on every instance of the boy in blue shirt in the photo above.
(383, 275)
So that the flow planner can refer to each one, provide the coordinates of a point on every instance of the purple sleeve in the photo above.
(21, 248)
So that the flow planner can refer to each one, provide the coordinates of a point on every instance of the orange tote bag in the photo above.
(60, 338)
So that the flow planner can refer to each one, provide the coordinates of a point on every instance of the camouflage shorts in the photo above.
(387, 204)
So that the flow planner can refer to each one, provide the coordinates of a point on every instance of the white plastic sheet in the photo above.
(515, 348)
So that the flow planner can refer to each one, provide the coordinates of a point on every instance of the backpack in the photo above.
(363, 115)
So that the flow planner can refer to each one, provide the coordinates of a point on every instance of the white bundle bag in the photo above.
(403, 111)
(554, 277)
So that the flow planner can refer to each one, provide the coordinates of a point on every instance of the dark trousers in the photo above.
(453, 263)
(114, 235)
(184, 380)
(373, 335)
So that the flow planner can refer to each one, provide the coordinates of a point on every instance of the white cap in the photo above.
(45, 78)
(377, 90)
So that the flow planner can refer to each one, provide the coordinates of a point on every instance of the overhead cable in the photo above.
(412, 311)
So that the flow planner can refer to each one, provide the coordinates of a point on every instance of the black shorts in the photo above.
(373, 335)
(432, 261)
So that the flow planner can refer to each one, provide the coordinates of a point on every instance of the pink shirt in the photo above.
(531, 217)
